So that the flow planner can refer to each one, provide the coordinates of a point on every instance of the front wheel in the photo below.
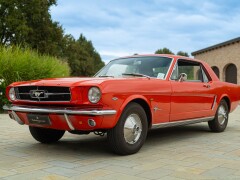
(219, 123)
(128, 136)
(45, 135)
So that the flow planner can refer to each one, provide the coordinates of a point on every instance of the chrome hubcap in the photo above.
(132, 128)
(222, 115)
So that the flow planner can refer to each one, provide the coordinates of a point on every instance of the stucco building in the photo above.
(224, 58)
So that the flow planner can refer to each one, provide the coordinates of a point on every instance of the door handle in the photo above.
(206, 86)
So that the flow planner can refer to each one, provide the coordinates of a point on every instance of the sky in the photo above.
(125, 27)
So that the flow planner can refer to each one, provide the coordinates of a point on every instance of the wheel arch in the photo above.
(146, 108)
(142, 101)
(227, 99)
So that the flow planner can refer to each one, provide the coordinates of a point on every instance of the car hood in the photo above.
(78, 81)
(69, 82)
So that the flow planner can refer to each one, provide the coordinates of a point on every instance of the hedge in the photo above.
(17, 64)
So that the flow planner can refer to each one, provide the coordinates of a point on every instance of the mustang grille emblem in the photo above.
(38, 94)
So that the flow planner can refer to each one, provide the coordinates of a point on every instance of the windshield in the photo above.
(149, 66)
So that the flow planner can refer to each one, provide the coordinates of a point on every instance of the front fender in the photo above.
(110, 122)
(126, 102)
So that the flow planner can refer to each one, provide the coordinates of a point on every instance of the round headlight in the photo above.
(12, 95)
(94, 94)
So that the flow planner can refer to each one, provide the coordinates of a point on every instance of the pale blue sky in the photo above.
(124, 27)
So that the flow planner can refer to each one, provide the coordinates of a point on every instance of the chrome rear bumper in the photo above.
(31, 109)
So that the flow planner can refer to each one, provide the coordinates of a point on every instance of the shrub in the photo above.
(17, 64)
(3, 100)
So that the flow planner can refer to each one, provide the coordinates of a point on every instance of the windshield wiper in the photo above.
(136, 74)
(105, 76)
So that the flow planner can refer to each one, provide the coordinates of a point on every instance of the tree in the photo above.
(164, 51)
(82, 57)
(181, 53)
(29, 23)
(13, 27)
(168, 51)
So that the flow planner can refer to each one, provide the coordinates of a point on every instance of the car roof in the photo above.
(160, 55)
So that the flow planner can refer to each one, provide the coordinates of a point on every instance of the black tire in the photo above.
(219, 123)
(133, 122)
(45, 135)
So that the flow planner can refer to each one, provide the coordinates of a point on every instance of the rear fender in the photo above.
(229, 103)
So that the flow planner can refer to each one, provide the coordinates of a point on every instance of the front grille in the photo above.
(43, 93)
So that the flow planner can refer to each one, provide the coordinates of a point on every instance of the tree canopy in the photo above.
(82, 57)
(168, 51)
(181, 53)
(164, 51)
(28, 23)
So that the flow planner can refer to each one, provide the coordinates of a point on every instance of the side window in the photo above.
(205, 78)
(192, 69)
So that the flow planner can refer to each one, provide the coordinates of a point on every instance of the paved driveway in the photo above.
(189, 152)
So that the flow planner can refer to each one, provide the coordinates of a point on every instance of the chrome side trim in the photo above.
(16, 118)
(58, 110)
(214, 102)
(69, 122)
(184, 122)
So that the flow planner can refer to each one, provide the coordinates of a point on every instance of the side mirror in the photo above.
(182, 77)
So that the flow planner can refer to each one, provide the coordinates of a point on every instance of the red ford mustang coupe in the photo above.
(125, 99)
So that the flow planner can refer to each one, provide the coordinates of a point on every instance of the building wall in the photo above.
(221, 57)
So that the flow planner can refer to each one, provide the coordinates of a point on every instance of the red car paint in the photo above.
(172, 100)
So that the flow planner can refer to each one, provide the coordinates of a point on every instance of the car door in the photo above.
(192, 94)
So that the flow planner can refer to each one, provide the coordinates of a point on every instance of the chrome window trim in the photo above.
(172, 71)
(172, 59)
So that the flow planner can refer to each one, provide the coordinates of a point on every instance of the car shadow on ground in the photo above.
(88, 145)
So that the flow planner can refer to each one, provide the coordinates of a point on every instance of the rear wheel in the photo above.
(128, 136)
(219, 123)
(45, 135)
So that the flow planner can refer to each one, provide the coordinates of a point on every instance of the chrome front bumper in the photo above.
(64, 111)
(58, 110)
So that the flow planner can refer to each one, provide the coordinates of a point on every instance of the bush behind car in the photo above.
(17, 64)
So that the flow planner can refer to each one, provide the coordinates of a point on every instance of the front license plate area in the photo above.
(38, 119)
